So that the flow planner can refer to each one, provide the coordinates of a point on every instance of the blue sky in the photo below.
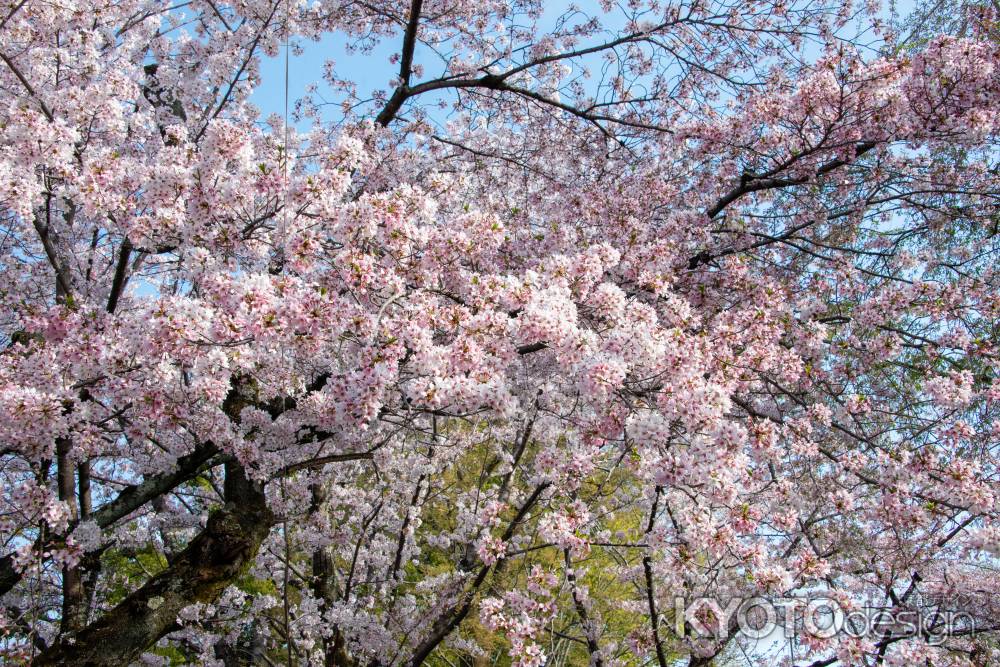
(373, 70)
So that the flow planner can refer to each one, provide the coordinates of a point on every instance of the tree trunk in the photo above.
(74, 611)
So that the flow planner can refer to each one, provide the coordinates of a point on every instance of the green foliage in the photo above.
(129, 568)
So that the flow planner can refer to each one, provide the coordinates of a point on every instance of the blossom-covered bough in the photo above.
(590, 311)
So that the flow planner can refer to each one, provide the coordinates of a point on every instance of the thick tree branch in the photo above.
(498, 82)
(27, 86)
(410, 43)
(120, 279)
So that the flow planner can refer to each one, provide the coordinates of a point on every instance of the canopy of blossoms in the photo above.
(588, 311)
